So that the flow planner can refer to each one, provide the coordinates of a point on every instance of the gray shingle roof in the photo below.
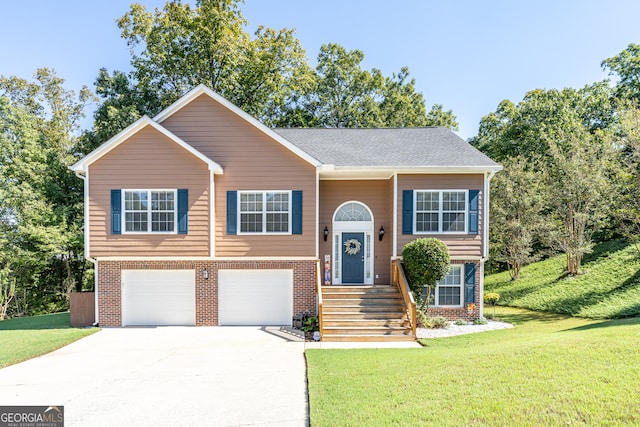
(403, 147)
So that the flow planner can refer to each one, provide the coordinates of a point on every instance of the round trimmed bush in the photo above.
(425, 261)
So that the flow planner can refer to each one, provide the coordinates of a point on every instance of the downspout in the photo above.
(95, 289)
(485, 249)
(85, 178)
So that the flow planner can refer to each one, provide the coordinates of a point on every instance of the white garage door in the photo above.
(255, 297)
(158, 297)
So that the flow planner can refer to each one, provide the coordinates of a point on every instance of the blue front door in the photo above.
(352, 257)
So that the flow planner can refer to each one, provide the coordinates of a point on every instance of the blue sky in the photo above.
(466, 55)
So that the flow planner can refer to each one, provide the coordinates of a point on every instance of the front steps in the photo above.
(364, 313)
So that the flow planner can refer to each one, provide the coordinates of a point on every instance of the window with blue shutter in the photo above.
(407, 211)
(116, 212)
(183, 211)
(296, 212)
(232, 212)
(473, 211)
(470, 283)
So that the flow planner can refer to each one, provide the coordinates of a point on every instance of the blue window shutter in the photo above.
(116, 212)
(407, 211)
(473, 211)
(296, 212)
(232, 212)
(470, 283)
(183, 211)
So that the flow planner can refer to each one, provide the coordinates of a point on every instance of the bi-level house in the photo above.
(202, 215)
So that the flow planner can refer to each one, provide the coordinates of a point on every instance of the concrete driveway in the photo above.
(168, 376)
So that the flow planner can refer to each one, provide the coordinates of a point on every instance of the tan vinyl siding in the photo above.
(148, 160)
(251, 161)
(459, 244)
(375, 195)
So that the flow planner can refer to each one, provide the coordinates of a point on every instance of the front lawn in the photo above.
(548, 370)
(28, 337)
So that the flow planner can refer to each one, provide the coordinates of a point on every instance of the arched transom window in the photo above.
(353, 212)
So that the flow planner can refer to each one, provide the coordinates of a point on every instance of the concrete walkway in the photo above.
(168, 376)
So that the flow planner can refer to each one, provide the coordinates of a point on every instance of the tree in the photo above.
(179, 47)
(41, 204)
(628, 173)
(521, 129)
(344, 95)
(626, 66)
(517, 206)
(425, 261)
(577, 182)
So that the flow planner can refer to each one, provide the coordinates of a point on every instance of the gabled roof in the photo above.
(433, 148)
(137, 126)
(204, 90)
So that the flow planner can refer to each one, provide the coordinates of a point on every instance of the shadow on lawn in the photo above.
(572, 306)
(47, 321)
(529, 316)
(606, 324)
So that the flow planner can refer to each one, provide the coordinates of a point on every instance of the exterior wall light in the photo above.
(205, 274)
(381, 233)
(326, 233)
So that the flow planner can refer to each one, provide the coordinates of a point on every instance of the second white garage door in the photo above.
(255, 297)
(158, 297)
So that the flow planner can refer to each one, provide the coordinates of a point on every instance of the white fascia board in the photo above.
(137, 126)
(418, 169)
(202, 89)
(205, 258)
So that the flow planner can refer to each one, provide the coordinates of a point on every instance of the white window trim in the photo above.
(462, 289)
(264, 212)
(440, 211)
(149, 211)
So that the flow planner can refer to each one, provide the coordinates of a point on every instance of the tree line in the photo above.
(571, 162)
(571, 156)
(267, 74)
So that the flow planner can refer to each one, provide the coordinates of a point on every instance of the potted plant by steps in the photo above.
(311, 329)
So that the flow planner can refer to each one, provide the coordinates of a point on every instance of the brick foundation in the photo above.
(110, 288)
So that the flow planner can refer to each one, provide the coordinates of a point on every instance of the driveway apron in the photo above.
(168, 376)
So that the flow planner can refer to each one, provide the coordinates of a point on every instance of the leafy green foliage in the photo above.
(578, 184)
(265, 74)
(437, 322)
(626, 66)
(41, 204)
(425, 261)
(548, 370)
(524, 129)
(627, 202)
(343, 95)
(609, 287)
(516, 214)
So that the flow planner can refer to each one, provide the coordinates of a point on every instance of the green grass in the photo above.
(549, 370)
(608, 289)
(24, 338)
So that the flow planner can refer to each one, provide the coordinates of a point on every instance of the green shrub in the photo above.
(438, 322)
(480, 322)
(460, 322)
(425, 261)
